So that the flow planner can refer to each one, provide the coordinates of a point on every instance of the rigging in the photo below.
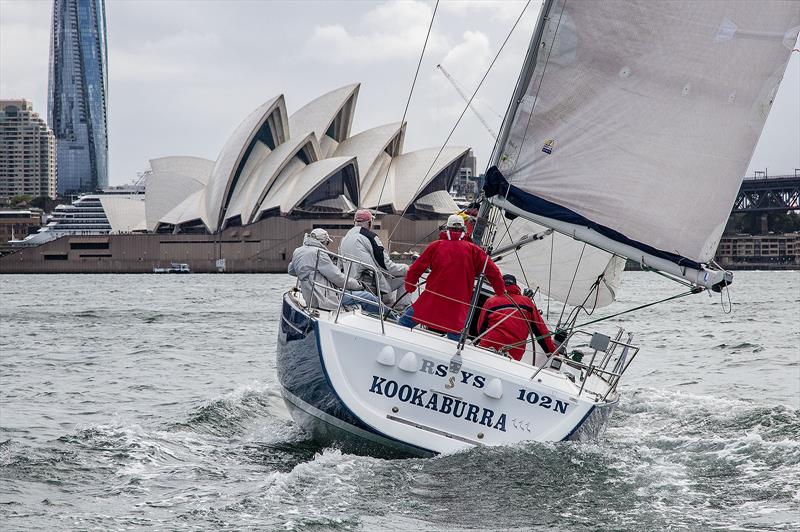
(408, 101)
(458, 121)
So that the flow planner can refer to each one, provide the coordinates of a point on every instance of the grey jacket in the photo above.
(356, 245)
(304, 259)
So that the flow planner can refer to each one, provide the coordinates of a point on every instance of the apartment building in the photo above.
(27, 152)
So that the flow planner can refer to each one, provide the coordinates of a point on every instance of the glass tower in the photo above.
(77, 92)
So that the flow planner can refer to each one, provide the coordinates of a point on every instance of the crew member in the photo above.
(470, 216)
(329, 278)
(362, 244)
(455, 262)
(509, 319)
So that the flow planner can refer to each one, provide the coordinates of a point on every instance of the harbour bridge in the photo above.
(763, 194)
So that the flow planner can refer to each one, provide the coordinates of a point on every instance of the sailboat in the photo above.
(627, 136)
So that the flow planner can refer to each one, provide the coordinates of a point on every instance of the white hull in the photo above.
(395, 389)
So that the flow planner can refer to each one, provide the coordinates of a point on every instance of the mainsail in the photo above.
(633, 123)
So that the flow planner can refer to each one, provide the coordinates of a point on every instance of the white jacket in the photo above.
(363, 245)
(329, 275)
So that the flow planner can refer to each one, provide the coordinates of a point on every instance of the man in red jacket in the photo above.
(455, 262)
(510, 318)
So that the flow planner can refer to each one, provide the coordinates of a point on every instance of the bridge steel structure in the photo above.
(765, 194)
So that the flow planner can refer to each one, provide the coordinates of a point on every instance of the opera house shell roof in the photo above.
(305, 165)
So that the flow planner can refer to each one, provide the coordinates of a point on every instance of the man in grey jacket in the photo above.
(362, 244)
(330, 279)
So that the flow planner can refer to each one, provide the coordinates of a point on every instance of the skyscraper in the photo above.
(27, 152)
(77, 91)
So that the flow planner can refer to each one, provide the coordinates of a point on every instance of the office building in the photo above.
(465, 185)
(77, 94)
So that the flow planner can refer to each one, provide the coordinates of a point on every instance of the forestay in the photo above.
(560, 267)
(639, 119)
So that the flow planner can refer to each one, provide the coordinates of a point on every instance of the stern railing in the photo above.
(343, 290)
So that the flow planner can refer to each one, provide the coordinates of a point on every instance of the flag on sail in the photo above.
(638, 120)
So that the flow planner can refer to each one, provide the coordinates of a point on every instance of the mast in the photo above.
(528, 66)
(524, 80)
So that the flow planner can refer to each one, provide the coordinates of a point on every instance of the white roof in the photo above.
(317, 115)
(438, 201)
(242, 191)
(265, 174)
(413, 171)
(230, 158)
(254, 173)
(125, 213)
(369, 148)
(192, 208)
(297, 186)
(197, 168)
(166, 190)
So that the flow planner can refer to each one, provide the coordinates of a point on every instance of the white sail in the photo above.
(638, 120)
(560, 267)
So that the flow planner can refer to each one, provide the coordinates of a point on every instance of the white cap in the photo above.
(321, 235)
(454, 221)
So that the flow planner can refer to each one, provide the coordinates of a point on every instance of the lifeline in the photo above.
(442, 404)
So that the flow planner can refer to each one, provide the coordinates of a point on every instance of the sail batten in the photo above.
(638, 119)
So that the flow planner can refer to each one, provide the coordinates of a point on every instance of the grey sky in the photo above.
(184, 73)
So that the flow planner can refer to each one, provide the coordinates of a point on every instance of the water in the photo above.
(152, 401)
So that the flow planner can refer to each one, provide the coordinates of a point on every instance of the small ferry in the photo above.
(175, 267)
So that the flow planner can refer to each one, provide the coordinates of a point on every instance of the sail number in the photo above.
(545, 401)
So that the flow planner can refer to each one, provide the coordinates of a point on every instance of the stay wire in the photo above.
(550, 275)
(516, 253)
(695, 290)
(466, 108)
(574, 275)
(408, 101)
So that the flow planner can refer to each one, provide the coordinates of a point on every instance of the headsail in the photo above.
(560, 267)
(634, 122)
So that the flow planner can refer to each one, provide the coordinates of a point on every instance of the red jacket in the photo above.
(455, 263)
(513, 330)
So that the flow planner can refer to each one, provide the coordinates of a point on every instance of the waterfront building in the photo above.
(17, 224)
(770, 251)
(465, 184)
(27, 152)
(277, 177)
(77, 94)
(307, 165)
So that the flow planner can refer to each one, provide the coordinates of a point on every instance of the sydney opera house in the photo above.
(277, 177)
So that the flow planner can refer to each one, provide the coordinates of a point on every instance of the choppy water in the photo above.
(152, 401)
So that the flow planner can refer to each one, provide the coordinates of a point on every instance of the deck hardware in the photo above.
(386, 356)
(494, 388)
(409, 362)
(455, 363)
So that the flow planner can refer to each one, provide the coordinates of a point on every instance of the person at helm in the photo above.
(362, 244)
(329, 278)
(454, 262)
(509, 319)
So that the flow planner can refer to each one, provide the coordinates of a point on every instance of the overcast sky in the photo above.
(184, 73)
